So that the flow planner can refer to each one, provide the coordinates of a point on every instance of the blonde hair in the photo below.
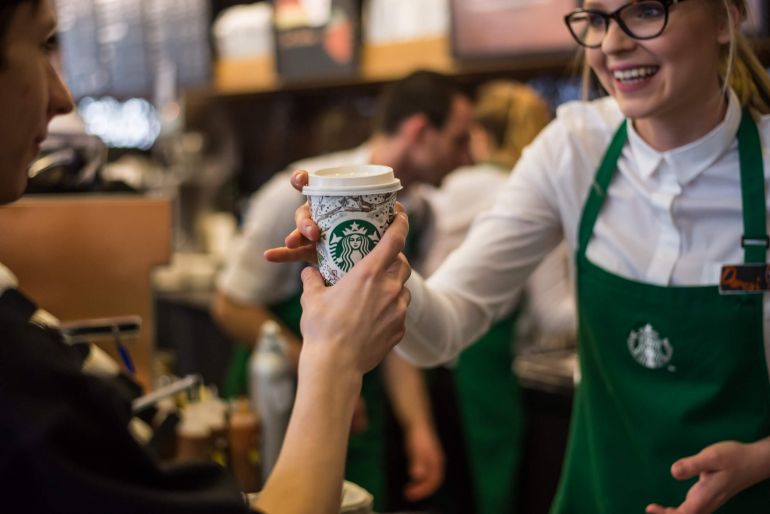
(739, 67)
(513, 114)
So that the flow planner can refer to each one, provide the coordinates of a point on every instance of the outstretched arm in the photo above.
(347, 329)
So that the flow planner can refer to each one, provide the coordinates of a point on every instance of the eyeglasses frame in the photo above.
(615, 15)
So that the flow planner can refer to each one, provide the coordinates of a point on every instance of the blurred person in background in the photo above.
(421, 131)
(507, 117)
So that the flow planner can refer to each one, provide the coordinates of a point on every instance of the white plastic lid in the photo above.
(370, 179)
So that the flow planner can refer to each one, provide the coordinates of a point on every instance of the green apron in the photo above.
(492, 417)
(365, 464)
(666, 371)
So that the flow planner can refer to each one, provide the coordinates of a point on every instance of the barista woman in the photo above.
(655, 187)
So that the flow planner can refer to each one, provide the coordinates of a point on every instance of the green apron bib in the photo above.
(666, 371)
(365, 464)
(492, 417)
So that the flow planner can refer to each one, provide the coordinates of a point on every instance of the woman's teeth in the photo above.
(635, 74)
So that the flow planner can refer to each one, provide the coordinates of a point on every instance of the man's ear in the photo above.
(413, 128)
(738, 17)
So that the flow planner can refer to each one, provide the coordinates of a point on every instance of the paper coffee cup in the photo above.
(352, 206)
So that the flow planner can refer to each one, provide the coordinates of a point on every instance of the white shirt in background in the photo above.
(247, 276)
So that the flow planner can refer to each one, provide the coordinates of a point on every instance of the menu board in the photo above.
(316, 39)
(502, 28)
(116, 47)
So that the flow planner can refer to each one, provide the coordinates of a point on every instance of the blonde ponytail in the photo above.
(512, 114)
(741, 69)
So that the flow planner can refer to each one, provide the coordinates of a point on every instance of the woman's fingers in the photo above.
(305, 224)
(284, 254)
(299, 179)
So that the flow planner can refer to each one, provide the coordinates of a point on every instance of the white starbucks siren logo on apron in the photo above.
(350, 241)
(648, 349)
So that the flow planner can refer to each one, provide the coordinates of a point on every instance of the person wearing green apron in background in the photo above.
(421, 130)
(672, 409)
(507, 116)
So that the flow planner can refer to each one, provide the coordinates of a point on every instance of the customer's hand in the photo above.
(723, 469)
(358, 320)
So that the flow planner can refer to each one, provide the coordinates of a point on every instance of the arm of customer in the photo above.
(723, 469)
(338, 349)
(409, 394)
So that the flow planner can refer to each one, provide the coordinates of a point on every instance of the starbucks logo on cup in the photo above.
(350, 241)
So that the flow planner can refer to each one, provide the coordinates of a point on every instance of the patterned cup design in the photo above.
(350, 227)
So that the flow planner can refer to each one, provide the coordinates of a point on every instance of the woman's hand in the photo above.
(723, 469)
(300, 244)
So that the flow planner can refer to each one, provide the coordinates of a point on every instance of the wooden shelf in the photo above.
(386, 63)
(381, 64)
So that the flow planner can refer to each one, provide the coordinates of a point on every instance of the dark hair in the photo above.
(7, 10)
(425, 92)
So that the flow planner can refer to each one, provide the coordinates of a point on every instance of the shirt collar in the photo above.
(688, 161)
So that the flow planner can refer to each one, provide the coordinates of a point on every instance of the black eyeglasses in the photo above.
(642, 19)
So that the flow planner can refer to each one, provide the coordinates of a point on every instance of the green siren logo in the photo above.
(350, 241)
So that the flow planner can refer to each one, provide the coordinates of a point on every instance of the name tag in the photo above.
(744, 279)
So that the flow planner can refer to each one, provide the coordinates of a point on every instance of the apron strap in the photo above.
(598, 191)
(754, 240)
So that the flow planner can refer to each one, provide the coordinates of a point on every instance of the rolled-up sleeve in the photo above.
(477, 283)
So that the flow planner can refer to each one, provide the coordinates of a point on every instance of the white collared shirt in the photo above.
(670, 218)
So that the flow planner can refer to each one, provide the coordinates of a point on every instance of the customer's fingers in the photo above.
(391, 244)
(400, 268)
(312, 282)
(405, 297)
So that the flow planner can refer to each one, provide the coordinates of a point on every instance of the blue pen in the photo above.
(123, 352)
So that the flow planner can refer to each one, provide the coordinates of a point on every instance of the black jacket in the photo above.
(64, 442)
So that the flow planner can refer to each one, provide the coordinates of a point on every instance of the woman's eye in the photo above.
(647, 10)
(596, 21)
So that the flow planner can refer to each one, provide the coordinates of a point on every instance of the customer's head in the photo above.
(31, 91)
(507, 117)
(430, 116)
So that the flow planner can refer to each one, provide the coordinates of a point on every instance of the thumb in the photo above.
(299, 179)
(391, 244)
(692, 466)
(312, 281)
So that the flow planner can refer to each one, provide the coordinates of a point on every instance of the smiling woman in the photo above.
(655, 187)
